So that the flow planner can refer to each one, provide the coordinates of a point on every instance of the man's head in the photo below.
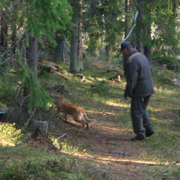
(126, 47)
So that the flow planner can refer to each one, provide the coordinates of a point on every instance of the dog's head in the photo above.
(54, 96)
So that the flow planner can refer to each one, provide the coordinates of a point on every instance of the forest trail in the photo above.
(109, 144)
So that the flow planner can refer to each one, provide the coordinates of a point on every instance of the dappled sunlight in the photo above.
(114, 160)
(10, 135)
(165, 90)
(117, 104)
(108, 129)
(5, 142)
(111, 130)
(104, 113)
(155, 109)
(109, 159)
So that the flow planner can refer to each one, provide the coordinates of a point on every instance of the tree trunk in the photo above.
(126, 17)
(13, 38)
(32, 54)
(62, 49)
(80, 49)
(147, 49)
(139, 27)
(59, 48)
(74, 43)
(4, 32)
(94, 36)
(147, 30)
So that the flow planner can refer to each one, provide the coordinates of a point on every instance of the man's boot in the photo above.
(149, 132)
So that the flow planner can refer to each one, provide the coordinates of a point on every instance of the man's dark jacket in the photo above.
(138, 75)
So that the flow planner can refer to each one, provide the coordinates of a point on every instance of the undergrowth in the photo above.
(19, 161)
(99, 94)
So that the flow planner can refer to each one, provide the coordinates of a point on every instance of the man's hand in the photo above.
(126, 98)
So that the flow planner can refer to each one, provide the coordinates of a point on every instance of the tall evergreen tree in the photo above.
(76, 39)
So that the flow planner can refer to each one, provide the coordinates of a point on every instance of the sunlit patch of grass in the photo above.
(117, 104)
(10, 135)
(65, 146)
(34, 164)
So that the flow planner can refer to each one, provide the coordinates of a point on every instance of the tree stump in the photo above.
(60, 88)
(40, 127)
(81, 76)
(116, 78)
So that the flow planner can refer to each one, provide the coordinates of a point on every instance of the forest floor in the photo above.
(105, 151)
(109, 144)
(108, 141)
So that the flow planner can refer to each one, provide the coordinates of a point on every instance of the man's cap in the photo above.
(125, 45)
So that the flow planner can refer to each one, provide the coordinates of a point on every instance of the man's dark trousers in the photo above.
(140, 116)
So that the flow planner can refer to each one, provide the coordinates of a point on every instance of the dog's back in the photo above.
(77, 112)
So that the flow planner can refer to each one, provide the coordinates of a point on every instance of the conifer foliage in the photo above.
(95, 27)
(31, 20)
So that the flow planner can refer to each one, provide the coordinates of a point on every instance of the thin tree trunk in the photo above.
(4, 32)
(139, 30)
(32, 54)
(13, 38)
(59, 48)
(126, 17)
(94, 37)
(147, 49)
(74, 44)
(80, 50)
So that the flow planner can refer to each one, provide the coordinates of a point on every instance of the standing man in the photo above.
(139, 87)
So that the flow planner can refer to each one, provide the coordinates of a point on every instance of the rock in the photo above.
(176, 81)
(41, 127)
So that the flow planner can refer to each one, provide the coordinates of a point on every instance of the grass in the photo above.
(19, 161)
(33, 164)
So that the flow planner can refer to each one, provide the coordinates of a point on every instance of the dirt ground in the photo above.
(110, 145)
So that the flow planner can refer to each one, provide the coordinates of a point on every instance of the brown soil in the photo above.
(110, 145)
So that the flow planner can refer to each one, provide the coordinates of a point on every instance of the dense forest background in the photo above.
(71, 31)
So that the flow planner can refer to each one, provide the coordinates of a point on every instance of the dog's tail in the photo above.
(90, 121)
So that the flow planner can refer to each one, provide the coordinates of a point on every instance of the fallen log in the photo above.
(50, 67)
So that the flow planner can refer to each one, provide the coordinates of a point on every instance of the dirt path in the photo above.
(110, 145)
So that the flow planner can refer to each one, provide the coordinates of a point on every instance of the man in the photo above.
(139, 87)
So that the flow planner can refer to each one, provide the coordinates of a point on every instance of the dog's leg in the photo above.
(80, 119)
(87, 125)
(84, 121)
(65, 117)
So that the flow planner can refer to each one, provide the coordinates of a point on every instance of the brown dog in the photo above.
(78, 113)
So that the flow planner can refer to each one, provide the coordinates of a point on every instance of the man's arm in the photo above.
(132, 76)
